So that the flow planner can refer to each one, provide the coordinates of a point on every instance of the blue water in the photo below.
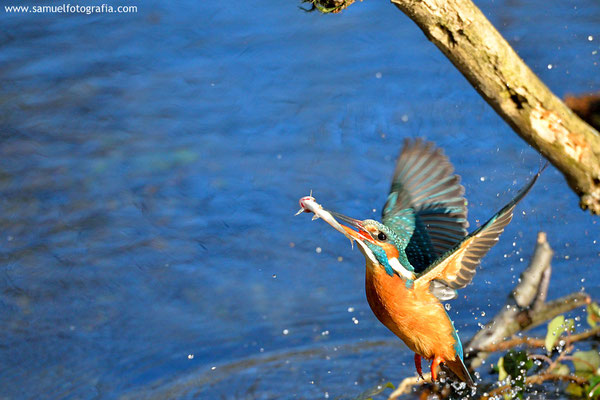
(150, 166)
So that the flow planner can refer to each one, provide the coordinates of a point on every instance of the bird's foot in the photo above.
(434, 365)
(418, 365)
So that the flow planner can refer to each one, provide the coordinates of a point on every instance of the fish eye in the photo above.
(381, 236)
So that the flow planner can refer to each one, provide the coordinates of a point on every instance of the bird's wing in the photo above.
(455, 269)
(425, 207)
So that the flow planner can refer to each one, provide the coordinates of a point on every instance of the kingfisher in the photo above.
(421, 253)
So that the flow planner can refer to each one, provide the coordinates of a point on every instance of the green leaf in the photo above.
(593, 314)
(561, 369)
(594, 387)
(586, 361)
(556, 327)
(374, 391)
(502, 374)
(516, 364)
(554, 331)
(574, 389)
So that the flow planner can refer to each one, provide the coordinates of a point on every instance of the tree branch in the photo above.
(538, 343)
(461, 31)
(525, 307)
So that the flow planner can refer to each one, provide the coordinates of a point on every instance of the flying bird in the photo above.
(420, 253)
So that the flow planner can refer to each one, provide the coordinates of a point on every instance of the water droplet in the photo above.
(190, 356)
(274, 276)
(378, 75)
(355, 320)
(447, 306)
(213, 368)
(318, 250)
(483, 313)
(482, 179)
(279, 156)
(262, 350)
(286, 331)
(324, 333)
(590, 38)
(350, 309)
(549, 66)
(326, 395)
(340, 259)
(404, 118)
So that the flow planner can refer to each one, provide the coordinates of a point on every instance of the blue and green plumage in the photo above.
(427, 212)
(420, 253)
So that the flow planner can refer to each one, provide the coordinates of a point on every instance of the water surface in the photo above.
(150, 166)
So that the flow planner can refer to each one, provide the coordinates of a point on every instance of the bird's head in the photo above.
(379, 244)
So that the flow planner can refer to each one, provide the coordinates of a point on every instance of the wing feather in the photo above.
(455, 269)
(425, 207)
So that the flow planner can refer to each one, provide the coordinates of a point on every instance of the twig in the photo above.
(537, 342)
(536, 380)
(519, 304)
(407, 384)
(543, 357)
(525, 308)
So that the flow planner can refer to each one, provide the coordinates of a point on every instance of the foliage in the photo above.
(369, 394)
(556, 327)
(328, 6)
(553, 358)
(579, 369)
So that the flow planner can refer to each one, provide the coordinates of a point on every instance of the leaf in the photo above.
(561, 369)
(594, 387)
(555, 328)
(516, 364)
(574, 389)
(502, 374)
(586, 361)
(374, 391)
(593, 314)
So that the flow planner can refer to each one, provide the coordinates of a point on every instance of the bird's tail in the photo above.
(458, 367)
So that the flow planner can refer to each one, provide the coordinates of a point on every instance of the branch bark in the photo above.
(461, 31)
(525, 307)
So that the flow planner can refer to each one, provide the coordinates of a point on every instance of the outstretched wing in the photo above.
(425, 207)
(455, 269)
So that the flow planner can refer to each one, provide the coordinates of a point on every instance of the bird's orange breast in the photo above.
(412, 314)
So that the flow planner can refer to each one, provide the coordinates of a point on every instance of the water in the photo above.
(150, 166)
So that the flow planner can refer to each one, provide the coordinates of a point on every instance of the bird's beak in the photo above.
(354, 230)
(352, 227)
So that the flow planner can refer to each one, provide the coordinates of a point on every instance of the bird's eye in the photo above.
(381, 236)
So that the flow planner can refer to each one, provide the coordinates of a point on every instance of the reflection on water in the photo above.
(150, 166)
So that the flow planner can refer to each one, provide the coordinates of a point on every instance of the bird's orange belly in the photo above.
(414, 315)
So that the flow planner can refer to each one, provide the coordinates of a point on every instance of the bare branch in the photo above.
(461, 31)
(524, 309)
